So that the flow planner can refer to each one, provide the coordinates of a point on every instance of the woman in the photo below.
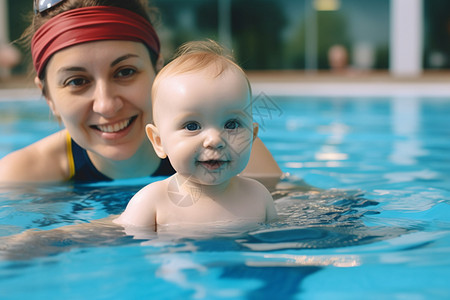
(95, 62)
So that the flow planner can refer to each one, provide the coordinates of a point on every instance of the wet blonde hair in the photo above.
(196, 56)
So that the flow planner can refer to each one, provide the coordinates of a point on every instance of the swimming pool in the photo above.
(379, 228)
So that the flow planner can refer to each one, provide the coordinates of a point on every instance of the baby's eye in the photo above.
(192, 126)
(127, 72)
(232, 124)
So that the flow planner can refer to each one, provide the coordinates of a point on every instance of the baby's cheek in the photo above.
(240, 144)
(183, 158)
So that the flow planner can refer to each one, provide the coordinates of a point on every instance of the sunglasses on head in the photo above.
(42, 5)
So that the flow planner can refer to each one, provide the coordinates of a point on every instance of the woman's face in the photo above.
(101, 92)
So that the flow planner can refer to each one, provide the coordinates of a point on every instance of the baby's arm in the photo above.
(262, 194)
(141, 210)
(271, 212)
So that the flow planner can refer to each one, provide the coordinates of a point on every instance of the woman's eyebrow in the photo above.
(81, 69)
(122, 58)
(71, 69)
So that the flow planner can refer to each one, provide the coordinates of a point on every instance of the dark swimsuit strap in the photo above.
(85, 171)
(84, 168)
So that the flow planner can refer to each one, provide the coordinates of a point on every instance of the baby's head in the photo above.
(196, 57)
(202, 117)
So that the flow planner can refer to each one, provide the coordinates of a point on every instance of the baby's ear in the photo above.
(154, 137)
(255, 130)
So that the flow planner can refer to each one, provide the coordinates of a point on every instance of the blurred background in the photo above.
(398, 37)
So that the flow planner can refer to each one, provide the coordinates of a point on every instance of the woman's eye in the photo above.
(126, 72)
(76, 82)
(232, 124)
(192, 126)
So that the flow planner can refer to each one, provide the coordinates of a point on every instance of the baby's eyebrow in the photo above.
(189, 116)
(240, 112)
(185, 115)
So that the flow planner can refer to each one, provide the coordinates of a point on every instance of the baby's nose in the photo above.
(213, 139)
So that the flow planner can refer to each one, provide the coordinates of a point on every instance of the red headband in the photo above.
(90, 24)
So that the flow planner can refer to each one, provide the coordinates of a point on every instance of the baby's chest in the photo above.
(191, 212)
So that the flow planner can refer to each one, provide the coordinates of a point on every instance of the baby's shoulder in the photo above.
(143, 206)
(152, 189)
(260, 195)
(251, 185)
(243, 180)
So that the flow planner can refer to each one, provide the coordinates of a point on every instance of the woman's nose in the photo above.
(214, 139)
(106, 102)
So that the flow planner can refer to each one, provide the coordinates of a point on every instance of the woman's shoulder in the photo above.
(44, 160)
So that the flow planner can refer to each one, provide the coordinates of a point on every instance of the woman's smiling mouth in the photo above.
(116, 127)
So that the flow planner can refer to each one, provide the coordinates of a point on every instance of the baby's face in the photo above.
(205, 124)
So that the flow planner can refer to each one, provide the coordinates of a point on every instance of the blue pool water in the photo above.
(378, 228)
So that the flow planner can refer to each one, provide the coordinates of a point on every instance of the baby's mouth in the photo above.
(116, 127)
(213, 164)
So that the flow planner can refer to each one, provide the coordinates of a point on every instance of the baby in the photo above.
(202, 121)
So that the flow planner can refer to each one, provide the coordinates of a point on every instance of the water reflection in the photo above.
(405, 119)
